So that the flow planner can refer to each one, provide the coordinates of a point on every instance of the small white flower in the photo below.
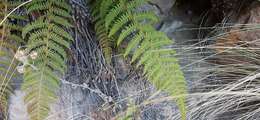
(33, 55)
(20, 55)
(20, 69)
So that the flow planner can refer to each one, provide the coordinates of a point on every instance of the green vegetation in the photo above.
(39, 46)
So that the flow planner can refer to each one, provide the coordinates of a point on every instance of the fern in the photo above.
(99, 10)
(48, 38)
(147, 46)
(10, 38)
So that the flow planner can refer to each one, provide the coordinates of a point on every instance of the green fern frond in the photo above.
(99, 11)
(49, 39)
(11, 4)
(17, 17)
(104, 7)
(38, 24)
(95, 9)
(13, 26)
(62, 12)
(129, 17)
(122, 6)
(59, 21)
(61, 4)
(105, 42)
(8, 26)
(131, 28)
(10, 39)
(113, 14)
(133, 43)
(36, 6)
(146, 46)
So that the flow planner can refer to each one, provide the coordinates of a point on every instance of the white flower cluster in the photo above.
(23, 57)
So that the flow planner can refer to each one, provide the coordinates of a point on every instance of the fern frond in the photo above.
(122, 7)
(105, 42)
(61, 12)
(99, 11)
(36, 6)
(11, 4)
(59, 20)
(146, 46)
(129, 17)
(133, 43)
(61, 4)
(113, 14)
(49, 39)
(38, 24)
(17, 17)
(10, 38)
(95, 9)
(104, 7)
(13, 26)
(152, 40)
(126, 32)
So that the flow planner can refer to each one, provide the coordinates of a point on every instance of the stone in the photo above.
(245, 32)
(164, 5)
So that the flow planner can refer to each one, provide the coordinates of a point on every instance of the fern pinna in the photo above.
(106, 43)
(10, 38)
(148, 47)
(48, 39)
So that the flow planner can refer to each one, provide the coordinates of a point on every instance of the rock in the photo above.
(17, 108)
(245, 30)
(228, 8)
(164, 5)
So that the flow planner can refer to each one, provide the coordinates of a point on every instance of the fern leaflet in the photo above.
(48, 38)
(100, 11)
